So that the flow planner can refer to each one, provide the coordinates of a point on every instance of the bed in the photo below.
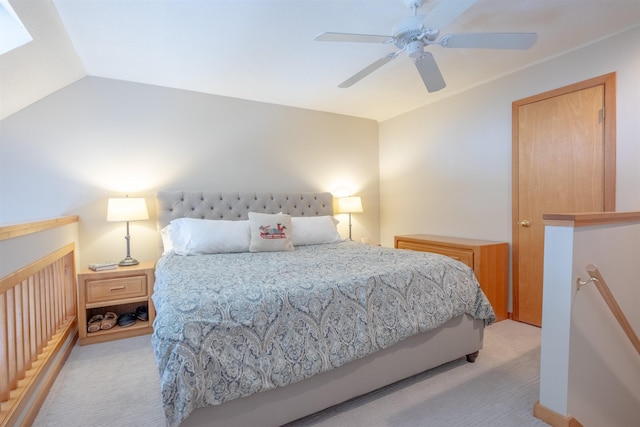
(280, 318)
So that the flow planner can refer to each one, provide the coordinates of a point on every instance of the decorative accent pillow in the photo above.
(314, 230)
(191, 236)
(270, 232)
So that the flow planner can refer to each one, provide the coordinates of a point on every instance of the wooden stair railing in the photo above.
(601, 284)
(38, 325)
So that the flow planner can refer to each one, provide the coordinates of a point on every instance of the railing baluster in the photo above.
(11, 337)
(4, 351)
(50, 303)
(39, 319)
(26, 329)
(33, 319)
(58, 278)
(19, 347)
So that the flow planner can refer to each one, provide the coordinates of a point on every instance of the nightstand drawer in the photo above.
(116, 288)
(463, 255)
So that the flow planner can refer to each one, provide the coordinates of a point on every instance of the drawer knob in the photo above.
(117, 288)
(524, 223)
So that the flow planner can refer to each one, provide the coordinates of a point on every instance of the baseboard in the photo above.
(553, 418)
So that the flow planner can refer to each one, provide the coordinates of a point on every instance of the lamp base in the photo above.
(128, 261)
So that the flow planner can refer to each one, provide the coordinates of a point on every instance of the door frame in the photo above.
(609, 83)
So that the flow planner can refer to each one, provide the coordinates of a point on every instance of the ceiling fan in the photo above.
(414, 33)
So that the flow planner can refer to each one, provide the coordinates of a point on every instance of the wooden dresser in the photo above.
(489, 260)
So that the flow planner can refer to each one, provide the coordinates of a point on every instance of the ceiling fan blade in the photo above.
(367, 70)
(490, 40)
(445, 12)
(429, 72)
(356, 38)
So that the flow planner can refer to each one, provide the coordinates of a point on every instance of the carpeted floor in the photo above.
(116, 384)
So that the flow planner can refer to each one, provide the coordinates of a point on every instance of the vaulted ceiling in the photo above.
(264, 50)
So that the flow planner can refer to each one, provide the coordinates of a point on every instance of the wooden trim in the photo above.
(553, 418)
(609, 83)
(18, 276)
(590, 218)
(11, 231)
(515, 211)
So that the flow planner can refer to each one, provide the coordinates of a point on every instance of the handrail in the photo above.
(596, 277)
(587, 219)
(22, 229)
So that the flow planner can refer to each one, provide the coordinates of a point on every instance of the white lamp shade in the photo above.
(127, 209)
(349, 204)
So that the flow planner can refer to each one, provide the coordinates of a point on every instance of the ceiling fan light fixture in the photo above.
(415, 49)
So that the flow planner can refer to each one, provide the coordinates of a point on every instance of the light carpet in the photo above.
(117, 383)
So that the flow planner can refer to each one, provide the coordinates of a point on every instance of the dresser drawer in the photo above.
(459, 254)
(117, 288)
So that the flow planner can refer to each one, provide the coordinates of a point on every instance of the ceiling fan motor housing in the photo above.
(408, 30)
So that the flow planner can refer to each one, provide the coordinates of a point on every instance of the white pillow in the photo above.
(314, 230)
(167, 244)
(270, 232)
(192, 236)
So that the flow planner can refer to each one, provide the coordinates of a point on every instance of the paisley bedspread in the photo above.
(231, 325)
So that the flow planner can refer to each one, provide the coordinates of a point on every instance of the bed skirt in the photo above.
(456, 338)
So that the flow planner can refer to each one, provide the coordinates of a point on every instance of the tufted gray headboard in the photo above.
(236, 206)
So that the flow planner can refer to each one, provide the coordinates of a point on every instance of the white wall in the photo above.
(100, 138)
(589, 369)
(604, 373)
(446, 168)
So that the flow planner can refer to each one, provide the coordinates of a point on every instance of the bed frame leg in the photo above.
(473, 356)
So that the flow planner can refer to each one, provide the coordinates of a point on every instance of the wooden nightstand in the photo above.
(489, 261)
(121, 290)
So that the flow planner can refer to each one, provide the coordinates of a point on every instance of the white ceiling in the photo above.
(264, 50)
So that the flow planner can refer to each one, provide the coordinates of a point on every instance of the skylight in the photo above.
(12, 33)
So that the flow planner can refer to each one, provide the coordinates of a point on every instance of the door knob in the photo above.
(524, 223)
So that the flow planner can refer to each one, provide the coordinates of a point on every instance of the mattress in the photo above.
(232, 325)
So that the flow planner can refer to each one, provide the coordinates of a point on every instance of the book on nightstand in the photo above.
(100, 266)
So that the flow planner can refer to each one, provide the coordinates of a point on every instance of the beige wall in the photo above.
(18, 252)
(100, 138)
(446, 168)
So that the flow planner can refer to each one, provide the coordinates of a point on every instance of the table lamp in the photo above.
(127, 209)
(351, 204)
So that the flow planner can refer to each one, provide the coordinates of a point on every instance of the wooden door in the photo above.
(562, 164)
